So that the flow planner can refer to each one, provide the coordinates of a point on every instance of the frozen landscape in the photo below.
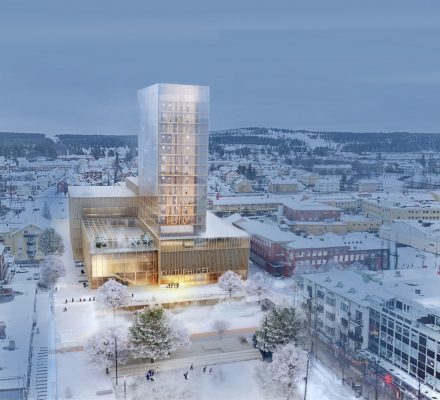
(219, 200)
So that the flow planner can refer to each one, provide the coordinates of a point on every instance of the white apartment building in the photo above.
(390, 318)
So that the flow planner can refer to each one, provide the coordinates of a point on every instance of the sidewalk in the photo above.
(358, 375)
(198, 353)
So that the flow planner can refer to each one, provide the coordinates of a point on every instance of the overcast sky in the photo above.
(75, 66)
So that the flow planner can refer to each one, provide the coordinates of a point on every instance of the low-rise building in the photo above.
(327, 185)
(369, 185)
(422, 235)
(309, 211)
(280, 252)
(242, 185)
(394, 207)
(245, 205)
(283, 185)
(21, 239)
(391, 319)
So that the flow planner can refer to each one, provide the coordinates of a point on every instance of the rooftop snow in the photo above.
(101, 191)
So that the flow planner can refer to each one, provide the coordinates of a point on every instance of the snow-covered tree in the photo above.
(289, 363)
(51, 269)
(220, 326)
(258, 285)
(231, 283)
(50, 242)
(46, 211)
(102, 347)
(281, 326)
(113, 294)
(154, 334)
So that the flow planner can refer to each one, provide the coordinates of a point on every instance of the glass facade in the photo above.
(410, 345)
(173, 158)
(167, 201)
(199, 260)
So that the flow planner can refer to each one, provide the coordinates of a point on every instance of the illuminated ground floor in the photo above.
(119, 248)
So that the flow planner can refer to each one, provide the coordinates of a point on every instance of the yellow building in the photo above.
(401, 207)
(21, 240)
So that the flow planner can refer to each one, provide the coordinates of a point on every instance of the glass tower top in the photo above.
(173, 157)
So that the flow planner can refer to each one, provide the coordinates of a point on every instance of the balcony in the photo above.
(358, 322)
(355, 337)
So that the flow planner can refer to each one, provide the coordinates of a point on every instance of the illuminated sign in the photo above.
(184, 271)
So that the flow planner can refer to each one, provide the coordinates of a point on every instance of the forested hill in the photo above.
(15, 144)
(30, 145)
(74, 144)
(343, 141)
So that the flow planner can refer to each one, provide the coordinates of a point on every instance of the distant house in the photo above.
(327, 185)
(283, 185)
(230, 175)
(242, 185)
(368, 186)
(22, 240)
(62, 187)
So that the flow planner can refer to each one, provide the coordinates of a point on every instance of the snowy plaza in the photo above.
(234, 380)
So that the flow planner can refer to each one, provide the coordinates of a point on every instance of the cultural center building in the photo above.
(154, 229)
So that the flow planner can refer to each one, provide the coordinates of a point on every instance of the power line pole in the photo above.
(307, 372)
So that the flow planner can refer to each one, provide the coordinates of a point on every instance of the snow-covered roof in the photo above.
(284, 181)
(18, 316)
(101, 191)
(417, 286)
(308, 205)
(264, 230)
(399, 200)
(217, 228)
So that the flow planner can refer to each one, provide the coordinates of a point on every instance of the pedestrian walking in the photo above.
(93, 298)
(132, 295)
(204, 369)
(186, 375)
(90, 299)
(192, 367)
(80, 300)
(73, 299)
(210, 371)
(64, 309)
(65, 302)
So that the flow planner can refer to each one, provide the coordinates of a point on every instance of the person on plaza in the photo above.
(186, 375)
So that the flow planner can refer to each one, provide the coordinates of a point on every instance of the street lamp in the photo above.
(116, 359)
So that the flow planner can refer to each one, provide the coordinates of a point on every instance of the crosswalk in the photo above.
(41, 375)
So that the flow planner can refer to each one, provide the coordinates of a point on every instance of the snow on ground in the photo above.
(242, 380)
(239, 315)
(77, 381)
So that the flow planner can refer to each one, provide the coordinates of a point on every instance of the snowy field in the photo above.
(243, 380)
